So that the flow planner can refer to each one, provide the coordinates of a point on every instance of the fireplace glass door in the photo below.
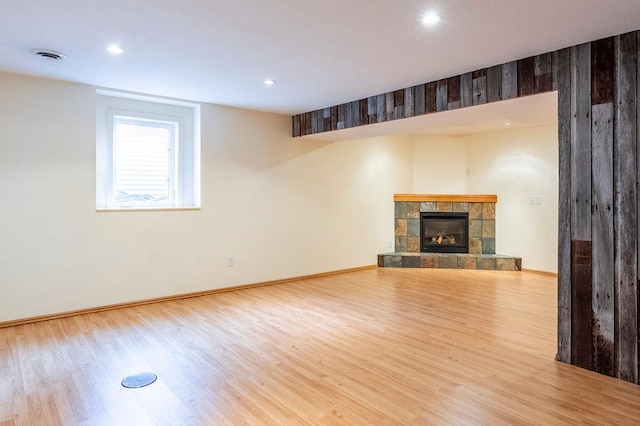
(444, 232)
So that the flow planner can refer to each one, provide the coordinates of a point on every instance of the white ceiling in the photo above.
(321, 53)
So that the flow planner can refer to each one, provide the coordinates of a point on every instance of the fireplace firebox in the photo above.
(444, 232)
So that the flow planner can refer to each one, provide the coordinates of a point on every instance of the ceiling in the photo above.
(321, 53)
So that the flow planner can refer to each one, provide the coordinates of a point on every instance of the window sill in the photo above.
(144, 209)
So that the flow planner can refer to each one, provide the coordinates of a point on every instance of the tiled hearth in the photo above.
(482, 229)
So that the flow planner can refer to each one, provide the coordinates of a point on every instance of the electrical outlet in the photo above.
(231, 261)
(390, 244)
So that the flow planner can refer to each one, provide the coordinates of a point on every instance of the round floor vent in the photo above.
(51, 55)
(139, 380)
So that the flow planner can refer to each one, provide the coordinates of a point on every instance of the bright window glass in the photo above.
(144, 162)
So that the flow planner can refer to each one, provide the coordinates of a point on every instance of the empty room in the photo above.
(278, 212)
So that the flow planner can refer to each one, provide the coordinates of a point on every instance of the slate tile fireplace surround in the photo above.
(479, 251)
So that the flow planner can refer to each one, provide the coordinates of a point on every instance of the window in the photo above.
(144, 166)
(146, 153)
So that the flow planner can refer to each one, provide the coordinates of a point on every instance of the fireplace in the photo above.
(471, 237)
(444, 232)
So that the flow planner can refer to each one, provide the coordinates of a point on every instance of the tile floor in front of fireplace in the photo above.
(494, 262)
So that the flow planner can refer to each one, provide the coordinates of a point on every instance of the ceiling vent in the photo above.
(50, 55)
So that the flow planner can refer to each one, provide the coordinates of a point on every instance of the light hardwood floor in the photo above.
(382, 346)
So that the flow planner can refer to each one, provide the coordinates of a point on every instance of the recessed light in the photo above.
(269, 82)
(431, 18)
(114, 49)
(506, 123)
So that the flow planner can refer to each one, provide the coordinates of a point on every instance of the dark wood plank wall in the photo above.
(562, 61)
(598, 86)
(625, 210)
(527, 76)
(524, 77)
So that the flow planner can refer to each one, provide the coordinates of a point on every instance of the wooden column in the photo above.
(626, 206)
(562, 60)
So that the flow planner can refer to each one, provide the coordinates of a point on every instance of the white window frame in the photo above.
(186, 151)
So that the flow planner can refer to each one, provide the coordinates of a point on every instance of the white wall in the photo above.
(439, 165)
(516, 164)
(283, 207)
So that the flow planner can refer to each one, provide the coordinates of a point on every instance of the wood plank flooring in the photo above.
(383, 346)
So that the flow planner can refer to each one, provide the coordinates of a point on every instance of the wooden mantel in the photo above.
(447, 198)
